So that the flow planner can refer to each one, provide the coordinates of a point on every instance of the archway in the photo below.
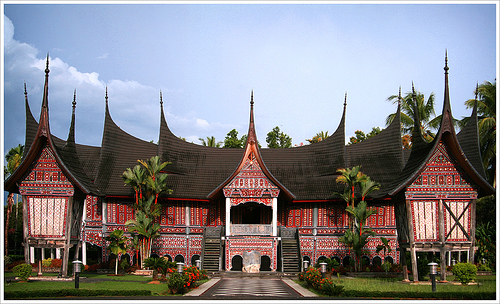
(265, 263)
(237, 263)
(179, 258)
(251, 213)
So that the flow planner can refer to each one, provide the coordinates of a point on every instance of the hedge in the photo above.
(73, 293)
(460, 295)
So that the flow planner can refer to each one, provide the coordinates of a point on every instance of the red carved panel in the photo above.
(173, 213)
(330, 215)
(47, 216)
(119, 213)
(93, 208)
(46, 178)
(251, 182)
(425, 220)
(462, 212)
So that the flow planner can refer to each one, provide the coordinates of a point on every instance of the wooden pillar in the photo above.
(228, 216)
(84, 253)
(69, 222)
(472, 230)
(25, 231)
(442, 252)
(413, 252)
(403, 264)
(275, 216)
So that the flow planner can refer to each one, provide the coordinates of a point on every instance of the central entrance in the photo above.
(251, 213)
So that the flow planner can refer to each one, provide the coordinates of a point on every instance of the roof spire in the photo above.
(477, 89)
(345, 100)
(106, 97)
(446, 68)
(161, 99)
(74, 101)
(45, 101)
(252, 137)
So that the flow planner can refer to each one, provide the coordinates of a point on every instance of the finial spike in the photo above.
(477, 90)
(74, 100)
(251, 99)
(345, 99)
(446, 68)
(25, 92)
(106, 97)
(47, 64)
(161, 99)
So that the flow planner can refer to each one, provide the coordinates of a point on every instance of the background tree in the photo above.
(277, 139)
(117, 244)
(232, 140)
(360, 135)
(320, 136)
(486, 111)
(210, 142)
(13, 158)
(428, 120)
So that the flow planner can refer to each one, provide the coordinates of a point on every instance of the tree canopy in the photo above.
(277, 139)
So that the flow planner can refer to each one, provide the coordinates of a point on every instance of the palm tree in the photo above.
(351, 178)
(13, 158)
(153, 167)
(210, 142)
(486, 110)
(156, 264)
(117, 245)
(144, 226)
(367, 186)
(357, 237)
(425, 113)
(135, 178)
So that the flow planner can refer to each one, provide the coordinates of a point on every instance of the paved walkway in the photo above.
(250, 288)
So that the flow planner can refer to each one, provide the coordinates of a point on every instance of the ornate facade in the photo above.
(227, 202)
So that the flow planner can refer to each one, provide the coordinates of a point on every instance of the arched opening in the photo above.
(154, 255)
(168, 257)
(194, 258)
(389, 259)
(179, 258)
(336, 258)
(346, 262)
(377, 261)
(365, 261)
(265, 263)
(237, 263)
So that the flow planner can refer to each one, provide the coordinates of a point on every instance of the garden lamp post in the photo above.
(180, 267)
(433, 272)
(323, 269)
(77, 268)
(306, 264)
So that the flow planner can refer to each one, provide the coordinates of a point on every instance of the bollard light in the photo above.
(483, 261)
(322, 269)
(306, 264)
(433, 272)
(180, 267)
(77, 268)
(198, 264)
(453, 262)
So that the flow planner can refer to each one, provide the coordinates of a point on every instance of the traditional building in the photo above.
(279, 203)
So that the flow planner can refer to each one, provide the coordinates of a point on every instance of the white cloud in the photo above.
(103, 56)
(202, 123)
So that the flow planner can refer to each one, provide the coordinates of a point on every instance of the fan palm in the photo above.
(320, 136)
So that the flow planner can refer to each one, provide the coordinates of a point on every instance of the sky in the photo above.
(300, 60)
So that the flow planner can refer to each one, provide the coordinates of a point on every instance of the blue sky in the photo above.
(300, 60)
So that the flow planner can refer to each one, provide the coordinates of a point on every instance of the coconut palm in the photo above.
(486, 110)
(13, 158)
(426, 114)
(210, 142)
(117, 244)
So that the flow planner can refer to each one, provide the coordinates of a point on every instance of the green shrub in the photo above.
(23, 271)
(483, 267)
(23, 294)
(313, 278)
(47, 262)
(465, 272)
(177, 283)
(331, 289)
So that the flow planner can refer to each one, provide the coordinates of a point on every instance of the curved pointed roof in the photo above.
(119, 151)
(251, 146)
(421, 154)
(67, 159)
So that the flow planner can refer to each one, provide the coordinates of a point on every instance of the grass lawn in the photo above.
(395, 288)
(116, 283)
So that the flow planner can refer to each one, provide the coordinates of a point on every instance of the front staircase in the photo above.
(211, 253)
(290, 250)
